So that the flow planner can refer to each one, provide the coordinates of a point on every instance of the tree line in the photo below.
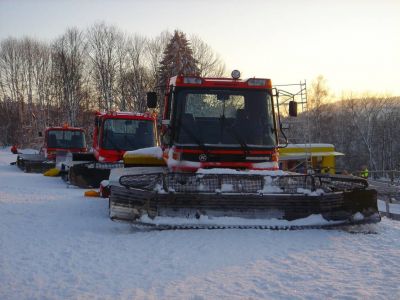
(100, 68)
(364, 127)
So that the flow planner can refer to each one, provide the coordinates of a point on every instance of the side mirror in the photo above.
(293, 108)
(40, 134)
(151, 99)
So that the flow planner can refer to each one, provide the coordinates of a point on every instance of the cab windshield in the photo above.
(226, 117)
(66, 139)
(122, 134)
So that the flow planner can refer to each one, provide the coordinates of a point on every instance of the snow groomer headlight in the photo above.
(235, 74)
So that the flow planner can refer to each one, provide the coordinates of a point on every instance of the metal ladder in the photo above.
(298, 128)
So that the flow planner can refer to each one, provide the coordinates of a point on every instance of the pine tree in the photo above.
(178, 59)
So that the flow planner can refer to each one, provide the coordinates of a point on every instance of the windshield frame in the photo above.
(82, 144)
(178, 107)
(113, 145)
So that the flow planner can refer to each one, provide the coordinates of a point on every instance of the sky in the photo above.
(354, 44)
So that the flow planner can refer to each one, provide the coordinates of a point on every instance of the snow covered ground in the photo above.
(394, 208)
(56, 244)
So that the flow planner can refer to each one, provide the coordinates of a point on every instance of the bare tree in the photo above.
(36, 78)
(122, 92)
(68, 62)
(42, 82)
(104, 43)
(389, 131)
(365, 115)
(318, 96)
(155, 50)
(208, 62)
(138, 76)
(11, 63)
(13, 83)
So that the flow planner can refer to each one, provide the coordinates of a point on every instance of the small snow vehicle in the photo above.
(114, 133)
(217, 166)
(58, 141)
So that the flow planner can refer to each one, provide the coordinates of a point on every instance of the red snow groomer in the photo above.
(58, 141)
(114, 134)
(219, 143)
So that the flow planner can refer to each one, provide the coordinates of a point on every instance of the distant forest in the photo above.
(364, 127)
(101, 68)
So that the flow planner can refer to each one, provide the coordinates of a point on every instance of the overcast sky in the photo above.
(354, 44)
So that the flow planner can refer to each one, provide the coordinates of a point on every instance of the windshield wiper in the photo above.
(194, 137)
(242, 143)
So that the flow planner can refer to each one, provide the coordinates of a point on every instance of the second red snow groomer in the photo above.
(118, 132)
(114, 134)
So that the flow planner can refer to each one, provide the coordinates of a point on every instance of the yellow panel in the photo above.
(329, 162)
(142, 160)
(322, 155)
(310, 149)
(303, 155)
(52, 172)
(92, 193)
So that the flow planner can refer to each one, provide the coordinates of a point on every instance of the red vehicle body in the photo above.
(243, 138)
(227, 128)
(107, 149)
(65, 138)
(57, 141)
(114, 134)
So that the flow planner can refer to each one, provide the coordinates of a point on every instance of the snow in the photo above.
(268, 187)
(116, 173)
(266, 165)
(57, 244)
(241, 172)
(150, 151)
(393, 207)
(171, 162)
(226, 187)
(358, 216)
(317, 192)
(104, 183)
(28, 151)
(234, 221)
